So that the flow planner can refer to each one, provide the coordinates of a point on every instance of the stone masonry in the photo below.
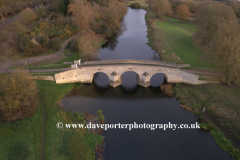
(115, 68)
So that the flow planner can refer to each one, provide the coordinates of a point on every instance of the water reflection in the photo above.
(131, 42)
(111, 43)
(131, 103)
(155, 57)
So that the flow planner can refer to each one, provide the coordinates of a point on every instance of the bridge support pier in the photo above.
(144, 80)
(115, 80)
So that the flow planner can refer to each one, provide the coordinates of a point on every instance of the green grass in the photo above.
(185, 24)
(221, 140)
(218, 98)
(179, 41)
(56, 140)
(47, 65)
(22, 139)
(237, 136)
(75, 55)
(50, 66)
(14, 67)
(219, 101)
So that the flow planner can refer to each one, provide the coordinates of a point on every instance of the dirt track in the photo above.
(51, 57)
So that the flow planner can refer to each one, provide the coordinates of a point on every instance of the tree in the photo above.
(88, 45)
(82, 14)
(219, 35)
(2, 18)
(27, 16)
(18, 93)
(63, 6)
(7, 43)
(160, 8)
(54, 43)
(228, 50)
(183, 12)
(192, 5)
(41, 12)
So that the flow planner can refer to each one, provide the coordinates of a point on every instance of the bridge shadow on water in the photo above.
(129, 83)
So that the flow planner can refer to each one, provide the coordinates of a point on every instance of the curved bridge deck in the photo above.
(115, 68)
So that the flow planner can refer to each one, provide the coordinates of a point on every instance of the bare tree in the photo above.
(18, 93)
(219, 35)
(160, 8)
(82, 14)
(88, 45)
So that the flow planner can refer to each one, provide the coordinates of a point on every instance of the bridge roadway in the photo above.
(115, 68)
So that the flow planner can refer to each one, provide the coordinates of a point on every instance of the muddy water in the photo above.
(131, 103)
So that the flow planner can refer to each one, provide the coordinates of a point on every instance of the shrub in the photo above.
(54, 43)
(27, 16)
(102, 28)
(73, 46)
(18, 96)
(135, 5)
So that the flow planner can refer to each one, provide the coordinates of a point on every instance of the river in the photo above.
(131, 103)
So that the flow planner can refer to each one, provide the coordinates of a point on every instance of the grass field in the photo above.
(185, 24)
(55, 138)
(223, 107)
(23, 139)
(180, 42)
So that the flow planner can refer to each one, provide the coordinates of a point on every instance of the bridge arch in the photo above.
(165, 76)
(129, 80)
(93, 73)
(130, 70)
(157, 79)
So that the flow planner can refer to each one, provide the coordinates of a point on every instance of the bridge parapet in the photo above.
(140, 62)
(114, 69)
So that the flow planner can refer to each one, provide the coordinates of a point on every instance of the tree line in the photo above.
(219, 36)
(10, 7)
(36, 32)
(96, 20)
(218, 30)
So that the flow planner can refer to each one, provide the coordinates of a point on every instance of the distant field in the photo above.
(180, 42)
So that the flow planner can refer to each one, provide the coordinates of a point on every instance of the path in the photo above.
(11, 19)
(178, 25)
(51, 57)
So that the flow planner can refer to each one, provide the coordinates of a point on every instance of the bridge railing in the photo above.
(140, 62)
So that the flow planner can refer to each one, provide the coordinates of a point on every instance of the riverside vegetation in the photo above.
(40, 31)
(24, 138)
(37, 32)
(216, 104)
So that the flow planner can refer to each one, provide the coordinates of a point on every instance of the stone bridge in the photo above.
(115, 68)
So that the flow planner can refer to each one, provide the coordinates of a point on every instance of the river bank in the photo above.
(37, 137)
(216, 104)
(218, 107)
(131, 103)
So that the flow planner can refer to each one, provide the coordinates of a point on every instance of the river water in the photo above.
(131, 103)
